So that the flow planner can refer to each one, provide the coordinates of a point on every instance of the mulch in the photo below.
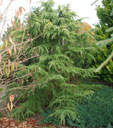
(29, 123)
(32, 122)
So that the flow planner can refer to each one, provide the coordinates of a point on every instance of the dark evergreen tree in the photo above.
(105, 19)
(104, 32)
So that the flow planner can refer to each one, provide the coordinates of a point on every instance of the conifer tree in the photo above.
(64, 56)
(104, 32)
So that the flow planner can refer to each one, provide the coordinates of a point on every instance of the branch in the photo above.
(29, 40)
(105, 62)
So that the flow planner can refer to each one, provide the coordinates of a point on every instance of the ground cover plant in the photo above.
(95, 110)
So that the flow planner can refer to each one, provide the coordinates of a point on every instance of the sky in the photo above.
(83, 8)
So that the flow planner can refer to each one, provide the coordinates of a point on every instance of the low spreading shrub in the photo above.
(64, 108)
(96, 111)
(93, 111)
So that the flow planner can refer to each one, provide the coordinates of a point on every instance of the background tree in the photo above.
(105, 16)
